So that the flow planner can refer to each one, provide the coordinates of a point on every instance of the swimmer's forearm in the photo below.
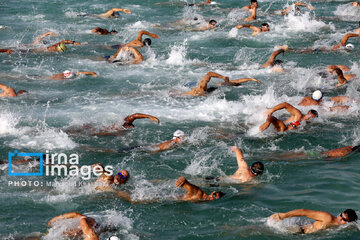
(65, 216)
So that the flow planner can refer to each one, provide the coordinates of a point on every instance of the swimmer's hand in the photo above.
(180, 182)
(284, 47)
(49, 33)
(255, 80)
(276, 217)
(85, 43)
(9, 51)
(154, 119)
(268, 112)
(154, 35)
(235, 148)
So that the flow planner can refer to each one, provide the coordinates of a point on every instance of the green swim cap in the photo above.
(61, 47)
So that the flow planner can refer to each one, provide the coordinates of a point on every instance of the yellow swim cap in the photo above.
(61, 47)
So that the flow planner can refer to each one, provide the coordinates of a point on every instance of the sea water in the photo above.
(175, 62)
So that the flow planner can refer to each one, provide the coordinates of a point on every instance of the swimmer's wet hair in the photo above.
(113, 31)
(278, 62)
(253, 1)
(221, 194)
(147, 41)
(312, 111)
(212, 21)
(195, 19)
(356, 148)
(351, 215)
(265, 25)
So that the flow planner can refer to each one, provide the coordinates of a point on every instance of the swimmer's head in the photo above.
(293, 125)
(147, 42)
(278, 62)
(311, 114)
(346, 216)
(113, 238)
(216, 195)
(121, 177)
(265, 27)
(317, 95)
(178, 134)
(349, 46)
(190, 4)
(67, 74)
(257, 168)
(21, 92)
(254, 3)
(61, 47)
(212, 23)
(113, 32)
(195, 19)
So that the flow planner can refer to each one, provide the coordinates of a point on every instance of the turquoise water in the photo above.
(229, 116)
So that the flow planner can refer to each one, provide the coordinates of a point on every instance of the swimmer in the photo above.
(201, 89)
(264, 28)
(344, 40)
(105, 181)
(103, 31)
(323, 220)
(195, 193)
(186, 4)
(68, 74)
(294, 120)
(113, 13)
(135, 54)
(57, 47)
(138, 42)
(211, 25)
(328, 155)
(276, 65)
(343, 68)
(178, 137)
(38, 39)
(253, 4)
(115, 129)
(88, 226)
(10, 92)
(295, 6)
(244, 172)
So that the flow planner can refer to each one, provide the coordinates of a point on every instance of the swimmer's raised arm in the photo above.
(37, 40)
(7, 91)
(287, 10)
(111, 12)
(202, 86)
(87, 230)
(272, 58)
(318, 216)
(242, 164)
(86, 73)
(239, 81)
(288, 107)
(344, 40)
(128, 121)
(138, 41)
(71, 42)
(256, 30)
(65, 216)
(190, 188)
(252, 16)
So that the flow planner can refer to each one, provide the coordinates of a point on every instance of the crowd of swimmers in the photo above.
(245, 171)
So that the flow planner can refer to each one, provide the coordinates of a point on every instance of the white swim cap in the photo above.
(113, 238)
(317, 95)
(178, 133)
(68, 74)
(349, 46)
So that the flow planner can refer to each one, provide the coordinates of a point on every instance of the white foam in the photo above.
(233, 32)
(303, 23)
(177, 54)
